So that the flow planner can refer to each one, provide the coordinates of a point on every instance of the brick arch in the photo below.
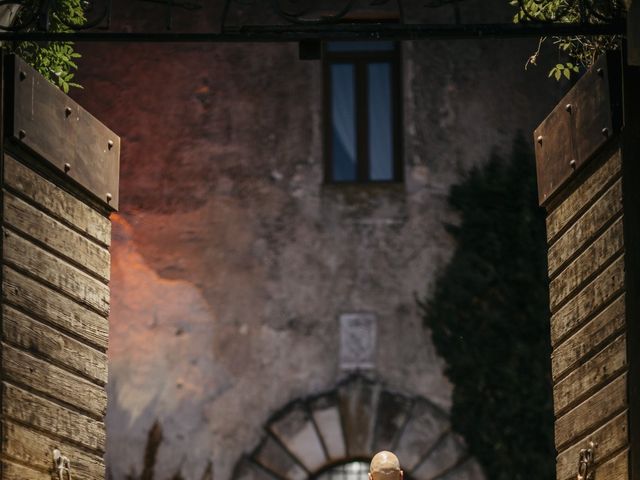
(353, 421)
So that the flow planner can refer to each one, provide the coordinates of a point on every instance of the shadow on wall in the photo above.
(154, 439)
(489, 315)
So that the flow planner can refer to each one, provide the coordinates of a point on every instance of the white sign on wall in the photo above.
(358, 336)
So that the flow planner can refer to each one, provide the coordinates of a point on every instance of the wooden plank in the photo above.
(56, 202)
(615, 469)
(589, 339)
(606, 246)
(610, 438)
(584, 229)
(591, 413)
(45, 342)
(591, 375)
(24, 369)
(594, 296)
(583, 195)
(36, 224)
(28, 257)
(33, 448)
(30, 409)
(44, 303)
(13, 471)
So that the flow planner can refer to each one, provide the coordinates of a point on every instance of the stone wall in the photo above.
(232, 261)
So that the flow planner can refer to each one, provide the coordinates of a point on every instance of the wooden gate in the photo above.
(59, 184)
(587, 154)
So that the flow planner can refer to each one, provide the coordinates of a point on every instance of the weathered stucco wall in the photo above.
(232, 260)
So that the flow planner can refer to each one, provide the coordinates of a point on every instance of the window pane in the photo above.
(380, 121)
(360, 46)
(348, 471)
(343, 122)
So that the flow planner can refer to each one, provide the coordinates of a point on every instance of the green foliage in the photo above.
(581, 51)
(563, 69)
(489, 318)
(54, 60)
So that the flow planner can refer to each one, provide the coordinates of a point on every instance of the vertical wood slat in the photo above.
(52, 418)
(54, 277)
(54, 326)
(591, 413)
(56, 202)
(586, 266)
(593, 234)
(46, 342)
(35, 449)
(591, 375)
(589, 339)
(612, 437)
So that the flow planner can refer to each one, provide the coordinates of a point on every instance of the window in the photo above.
(362, 112)
(347, 471)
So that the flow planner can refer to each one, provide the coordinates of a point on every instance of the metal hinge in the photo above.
(586, 461)
(62, 465)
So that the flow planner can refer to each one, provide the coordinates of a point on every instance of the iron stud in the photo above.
(572, 164)
(568, 107)
(110, 144)
(22, 75)
(67, 167)
(109, 197)
(22, 134)
(540, 139)
(605, 131)
(67, 111)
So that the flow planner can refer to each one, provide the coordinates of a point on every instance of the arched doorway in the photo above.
(332, 436)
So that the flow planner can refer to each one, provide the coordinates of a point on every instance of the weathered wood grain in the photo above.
(45, 342)
(589, 339)
(56, 201)
(610, 438)
(615, 469)
(34, 448)
(30, 409)
(566, 212)
(601, 251)
(54, 308)
(60, 238)
(594, 296)
(24, 369)
(13, 471)
(594, 219)
(28, 257)
(591, 375)
(591, 413)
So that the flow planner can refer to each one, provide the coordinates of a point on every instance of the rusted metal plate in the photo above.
(584, 120)
(56, 128)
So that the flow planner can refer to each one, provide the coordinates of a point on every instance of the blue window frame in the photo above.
(362, 112)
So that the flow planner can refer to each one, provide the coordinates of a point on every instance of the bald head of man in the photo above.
(385, 466)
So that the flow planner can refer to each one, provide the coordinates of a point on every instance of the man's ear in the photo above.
(371, 478)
